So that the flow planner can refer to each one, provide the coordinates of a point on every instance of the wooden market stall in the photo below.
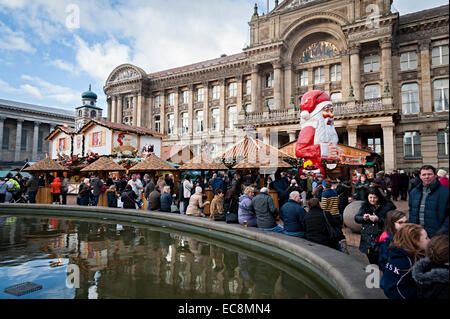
(204, 162)
(154, 165)
(265, 167)
(103, 166)
(46, 166)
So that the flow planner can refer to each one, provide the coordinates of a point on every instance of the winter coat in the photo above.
(436, 208)
(265, 210)
(84, 194)
(361, 189)
(32, 184)
(55, 186)
(292, 214)
(65, 185)
(149, 187)
(96, 185)
(316, 229)
(343, 190)
(383, 247)
(154, 200)
(217, 183)
(195, 203)
(217, 205)
(397, 281)
(187, 188)
(244, 213)
(166, 202)
(129, 199)
(112, 199)
(431, 279)
(403, 181)
(367, 236)
(413, 183)
(444, 181)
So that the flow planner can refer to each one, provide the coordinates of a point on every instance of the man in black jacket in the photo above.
(32, 189)
(403, 185)
(266, 211)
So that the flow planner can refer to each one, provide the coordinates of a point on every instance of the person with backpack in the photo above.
(129, 197)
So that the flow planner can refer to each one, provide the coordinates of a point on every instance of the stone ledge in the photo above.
(346, 274)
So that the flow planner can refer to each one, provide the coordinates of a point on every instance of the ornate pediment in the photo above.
(319, 51)
(294, 4)
(128, 74)
(124, 73)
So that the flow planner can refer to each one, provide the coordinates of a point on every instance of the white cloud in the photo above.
(50, 90)
(12, 3)
(13, 41)
(64, 65)
(31, 90)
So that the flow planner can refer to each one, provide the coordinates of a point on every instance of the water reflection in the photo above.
(118, 261)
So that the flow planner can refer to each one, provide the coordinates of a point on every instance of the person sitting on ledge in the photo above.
(166, 199)
(196, 203)
(154, 199)
(266, 211)
(129, 197)
(244, 214)
(217, 204)
(292, 214)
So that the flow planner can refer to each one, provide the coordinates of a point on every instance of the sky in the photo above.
(51, 50)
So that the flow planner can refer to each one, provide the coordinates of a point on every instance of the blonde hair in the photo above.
(249, 190)
(166, 189)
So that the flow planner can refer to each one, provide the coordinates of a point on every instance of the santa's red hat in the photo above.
(312, 103)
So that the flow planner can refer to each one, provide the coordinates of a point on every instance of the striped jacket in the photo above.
(330, 201)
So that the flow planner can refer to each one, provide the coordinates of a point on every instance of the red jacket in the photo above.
(56, 186)
(444, 181)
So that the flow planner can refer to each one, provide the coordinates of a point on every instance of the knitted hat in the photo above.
(198, 189)
(441, 173)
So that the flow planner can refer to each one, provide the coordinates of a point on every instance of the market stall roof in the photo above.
(204, 162)
(177, 154)
(121, 128)
(248, 164)
(46, 165)
(249, 147)
(103, 164)
(151, 163)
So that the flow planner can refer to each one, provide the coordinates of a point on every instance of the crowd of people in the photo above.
(411, 249)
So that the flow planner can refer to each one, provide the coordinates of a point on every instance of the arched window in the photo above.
(93, 114)
(80, 113)
(410, 98)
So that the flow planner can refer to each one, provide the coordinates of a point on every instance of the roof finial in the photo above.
(89, 86)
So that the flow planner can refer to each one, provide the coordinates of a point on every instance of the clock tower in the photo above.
(88, 110)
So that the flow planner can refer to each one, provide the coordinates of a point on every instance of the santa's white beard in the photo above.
(325, 133)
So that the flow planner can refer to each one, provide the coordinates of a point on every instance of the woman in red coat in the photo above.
(55, 189)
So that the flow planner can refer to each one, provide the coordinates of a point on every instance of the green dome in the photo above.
(89, 94)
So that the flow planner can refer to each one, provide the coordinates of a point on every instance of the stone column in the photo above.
(135, 110)
(108, 117)
(345, 75)
(2, 122)
(222, 110)
(176, 111)
(287, 83)
(389, 147)
(277, 90)
(18, 140)
(34, 156)
(139, 110)
(425, 68)
(352, 135)
(355, 70)
(239, 96)
(113, 108)
(386, 62)
(191, 111)
(255, 88)
(163, 112)
(49, 144)
(119, 109)
(205, 107)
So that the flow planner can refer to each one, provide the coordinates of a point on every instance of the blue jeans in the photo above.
(295, 233)
(95, 200)
(278, 229)
(148, 204)
(32, 197)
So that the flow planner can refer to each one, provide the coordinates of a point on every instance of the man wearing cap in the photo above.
(266, 211)
(443, 179)
(318, 138)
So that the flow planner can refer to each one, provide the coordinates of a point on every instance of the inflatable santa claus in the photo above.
(318, 138)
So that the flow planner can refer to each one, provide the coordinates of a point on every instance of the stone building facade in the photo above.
(23, 129)
(386, 73)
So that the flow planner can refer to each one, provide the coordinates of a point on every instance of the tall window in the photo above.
(185, 97)
(412, 144)
(171, 99)
(93, 114)
(372, 91)
(215, 117)
(184, 122)
(199, 121)
(269, 80)
(157, 101)
(23, 142)
(80, 113)
(170, 123)
(5, 144)
(270, 104)
(200, 94)
(443, 143)
(335, 73)
(439, 55)
(319, 75)
(440, 95)
(372, 63)
(408, 61)
(40, 140)
(303, 77)
(374, 144)
(336, 97)
(249, 108)
(232, 116)
(248, 87)
(232, 89)
(410, 98)
(216, 92)
(158, 123)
